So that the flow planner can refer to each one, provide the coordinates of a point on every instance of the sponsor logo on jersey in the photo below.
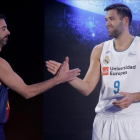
(130, 54)
(106, 60)
(121, 70)
(105, 70)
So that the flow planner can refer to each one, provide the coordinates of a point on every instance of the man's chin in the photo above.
(110, 35)
(3, 44)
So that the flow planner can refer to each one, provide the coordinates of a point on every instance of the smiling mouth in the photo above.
(6, 37)
(109, 29)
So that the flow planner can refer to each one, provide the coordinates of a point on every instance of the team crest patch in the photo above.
(106, 60)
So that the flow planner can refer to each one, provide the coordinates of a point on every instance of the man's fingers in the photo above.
(120, 101)
(68, 75)
(123, 93)
(73, 75)
(51, 62)
(72, 78)
(122, 106)
(51, 71)
(50, 67)
(74, 70)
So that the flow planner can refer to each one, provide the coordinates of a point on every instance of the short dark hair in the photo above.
(2, 16)
(122, 10)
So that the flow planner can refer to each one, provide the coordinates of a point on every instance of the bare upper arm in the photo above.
(10, 78)
(93, 73)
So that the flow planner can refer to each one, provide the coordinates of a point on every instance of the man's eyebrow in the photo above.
(109, 17)
(3, 27)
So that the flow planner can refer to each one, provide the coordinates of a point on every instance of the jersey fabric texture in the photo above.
(4, 104)
(120, 73)
(4, 108)
(2, 136)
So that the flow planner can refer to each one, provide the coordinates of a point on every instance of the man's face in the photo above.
(4, 33)
(114, 23)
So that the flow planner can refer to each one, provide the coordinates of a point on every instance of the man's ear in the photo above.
(126, 21)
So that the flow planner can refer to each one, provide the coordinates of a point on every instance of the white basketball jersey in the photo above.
(120, 73)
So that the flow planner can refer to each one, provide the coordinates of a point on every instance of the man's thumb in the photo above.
(67, 59)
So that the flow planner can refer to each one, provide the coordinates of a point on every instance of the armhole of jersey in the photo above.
(102, 50)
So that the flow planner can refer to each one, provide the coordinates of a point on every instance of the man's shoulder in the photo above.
(98, 48)
(96, 52)
(3, 62)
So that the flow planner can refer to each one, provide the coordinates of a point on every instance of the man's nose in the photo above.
(108, 23)
(8, 32)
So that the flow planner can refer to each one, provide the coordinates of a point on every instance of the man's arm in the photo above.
(87, 85)
(91, 79)
(13, 81)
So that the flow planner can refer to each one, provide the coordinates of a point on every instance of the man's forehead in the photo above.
(2, 23)
(111, 13)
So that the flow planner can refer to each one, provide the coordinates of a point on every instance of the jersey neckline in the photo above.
(120, 52)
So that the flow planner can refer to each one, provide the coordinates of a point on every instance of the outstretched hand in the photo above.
(125, 102)
(66, 75)
(53, 66)
(62, 72)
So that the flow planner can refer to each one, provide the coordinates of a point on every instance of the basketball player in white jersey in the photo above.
(118, 109)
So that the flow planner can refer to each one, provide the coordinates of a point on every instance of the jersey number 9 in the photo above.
(117, 86)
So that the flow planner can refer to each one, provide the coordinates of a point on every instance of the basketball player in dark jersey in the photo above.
(9, 79)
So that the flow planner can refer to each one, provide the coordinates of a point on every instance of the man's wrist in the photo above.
(57, 80)
(136, 97)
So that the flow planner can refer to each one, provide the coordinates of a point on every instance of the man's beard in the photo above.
(4, 41)
(117, 31)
